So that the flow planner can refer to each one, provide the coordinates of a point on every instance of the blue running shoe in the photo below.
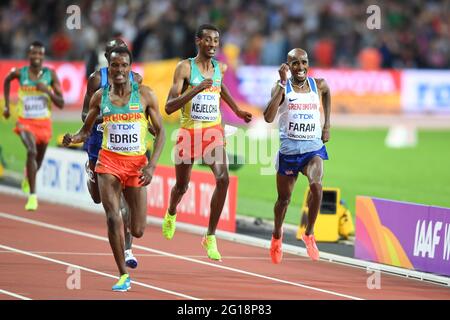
(130, 259)
(124, 283)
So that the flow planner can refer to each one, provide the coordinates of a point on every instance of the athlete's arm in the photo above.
(325, 96)
(177, 99)
(93, 84)
(56, 96)
(277, 95)
(13, 74)
(83, 133)
(152, 112)
(226, 96)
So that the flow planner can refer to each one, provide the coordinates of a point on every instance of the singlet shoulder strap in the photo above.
(312, 85)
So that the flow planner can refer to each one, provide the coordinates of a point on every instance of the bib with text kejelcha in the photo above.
(205, 106)
(303, 121)
(35, 107)
(124, 137)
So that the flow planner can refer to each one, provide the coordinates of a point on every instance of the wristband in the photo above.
(281, 84)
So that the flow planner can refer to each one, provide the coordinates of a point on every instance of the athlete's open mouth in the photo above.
(301, 73)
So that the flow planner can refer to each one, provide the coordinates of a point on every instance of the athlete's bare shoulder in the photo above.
(322, 84)
(223, 67)
(146, 93)
(137, 77)
(93, 82)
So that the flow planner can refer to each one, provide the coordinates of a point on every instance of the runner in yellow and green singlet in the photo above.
(197, 89)
(122, 165)
(39, 87)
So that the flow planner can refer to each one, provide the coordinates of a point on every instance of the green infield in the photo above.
(360, 164)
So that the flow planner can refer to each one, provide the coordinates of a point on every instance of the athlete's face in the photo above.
(208, 43)
(119, 67)
(298, 66)
(36, 56)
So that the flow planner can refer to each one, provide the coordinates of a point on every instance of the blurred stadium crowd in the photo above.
(413, 34)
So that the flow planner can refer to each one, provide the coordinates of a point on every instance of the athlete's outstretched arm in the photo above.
(152, 112)
(13, 74)
(226, 96)
(83, 133)
(326, 104)
(177, 98)
(93, 84)
(277, 95)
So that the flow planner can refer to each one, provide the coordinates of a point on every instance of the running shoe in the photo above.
(210, 245)
(25, 186)
(130, 259)
(32, 203)
(276, 252)
(311, 247)
(124, 283)
(168, 225)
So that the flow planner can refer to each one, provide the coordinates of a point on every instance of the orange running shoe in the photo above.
(276, 253)
(311, 247)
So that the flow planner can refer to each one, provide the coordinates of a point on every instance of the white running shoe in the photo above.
(130, 260)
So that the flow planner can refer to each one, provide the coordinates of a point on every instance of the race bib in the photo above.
(205, 107)
(303, 124)
(124, 137)
(35, 107)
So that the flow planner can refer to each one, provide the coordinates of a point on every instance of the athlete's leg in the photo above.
(220, 170)
(30, 144)
(41, 148)
(136, 198)
(314, 172)
(92, 182)
(110, 189)
(183, 175)
(125, 211)
(285, 186)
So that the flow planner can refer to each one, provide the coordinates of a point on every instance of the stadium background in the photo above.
(397, 75)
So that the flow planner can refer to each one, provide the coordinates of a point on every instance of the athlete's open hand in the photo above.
(244, 115)
(205, 84)
(283, 72)
(146, 176)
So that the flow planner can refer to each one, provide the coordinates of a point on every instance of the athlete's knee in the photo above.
(138, 231)
(316, 189)
(283, 201)
(113, 221)
(181, 188)
(222, 180)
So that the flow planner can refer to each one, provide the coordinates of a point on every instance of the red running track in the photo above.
(38, 251)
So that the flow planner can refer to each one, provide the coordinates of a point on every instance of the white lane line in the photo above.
(93, 236)
(15, 295)
(96, 272)
(145, 255)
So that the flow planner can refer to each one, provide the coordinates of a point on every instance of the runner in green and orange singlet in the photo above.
(197, 89)
(122, 164)
(39, 87)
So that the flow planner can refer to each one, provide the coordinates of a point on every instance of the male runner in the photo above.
(99, 79)
(297, 101)
(196, 90)
(122, 165)
(39, 86)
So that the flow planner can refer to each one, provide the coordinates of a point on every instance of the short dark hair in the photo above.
(36, 44)
(122, 50)
(199, 32)
(116, 42)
